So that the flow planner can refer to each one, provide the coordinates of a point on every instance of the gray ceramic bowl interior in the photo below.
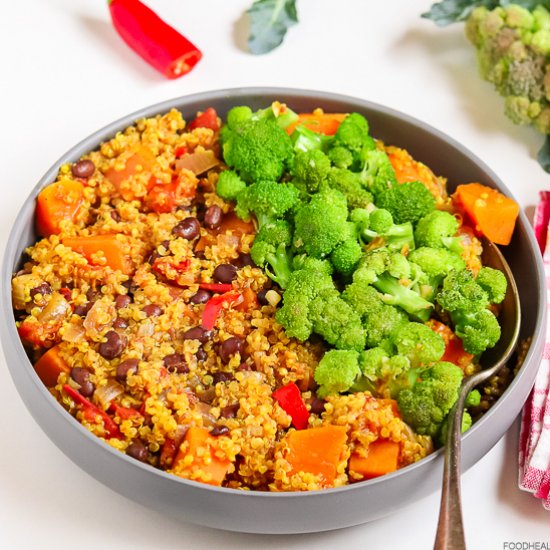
(283, 512)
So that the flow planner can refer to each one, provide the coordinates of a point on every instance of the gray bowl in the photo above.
(259, 512)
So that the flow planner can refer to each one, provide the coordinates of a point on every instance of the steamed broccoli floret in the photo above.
(349, 184)
(436, 263)
(467, 301)
(353, 135)
(493, 282)
(426, 404)
(378, 318)
(229, 185)
(473, 399)
(320, 224)
(258, 150)
(376, 173)
(437, 229)
(378, 365)
(303, 261)
(271, 251)
(277, 112)
(418, 343)
(389, 273)
(377, 225)
(336, 372)
(267, 200)
(340, 156)
(311, 303)
(346, 256)
(407, 202)
(336, 321)
(312, 167)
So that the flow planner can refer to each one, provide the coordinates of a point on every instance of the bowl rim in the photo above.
(10, 336)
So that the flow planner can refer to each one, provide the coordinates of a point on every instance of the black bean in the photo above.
(138, 450)
(221, 377)
(113, 346)
(93, 294)
(230, 347)
(197, 333)
(244, 260)
(262, 297)
(225, 273)
(83, 309)
(82, 377)
(189, 228)
(219, 430)
(130, 285)
(122, 301)
(201, 297)
(83, 168)
(317, 406)
(201, 355)
(152, 310)
(126, 367)
(213, 217)
(115, 216)
(200, 208)
(230, 411)
(120, 322)
(244, 367)
(43, 289)
(175, 362)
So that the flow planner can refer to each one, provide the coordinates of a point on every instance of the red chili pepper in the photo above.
(208, 119)
(124, 413)
(214, 305)
(66, 293)
(290, 399)
(216, 287)
(162, 46)
(180, 151)
(91, 412)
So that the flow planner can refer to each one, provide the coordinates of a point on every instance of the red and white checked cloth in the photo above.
(534, 439)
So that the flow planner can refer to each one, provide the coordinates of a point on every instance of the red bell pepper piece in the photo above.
(214, 305)
(290, 399)
(208, 119)
(91, 412)
(216, 287)
(162, 46)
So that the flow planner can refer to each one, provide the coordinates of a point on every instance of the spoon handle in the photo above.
(450, 528)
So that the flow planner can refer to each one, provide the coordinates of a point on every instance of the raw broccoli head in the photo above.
(336, 372)
(418, 343)
(229, 185)
(407, 202)
(427, 403)
(267, 200)
(320, 223)
(311, 167)
(258, 150)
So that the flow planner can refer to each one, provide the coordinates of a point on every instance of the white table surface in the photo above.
(65, 74)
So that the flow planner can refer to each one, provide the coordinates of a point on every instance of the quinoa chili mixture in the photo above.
(278, 302)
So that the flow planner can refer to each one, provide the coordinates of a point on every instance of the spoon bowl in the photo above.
(450, 529)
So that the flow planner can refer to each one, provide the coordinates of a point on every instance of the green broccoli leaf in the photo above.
(450, 11)
(544, 154)
(269, 21)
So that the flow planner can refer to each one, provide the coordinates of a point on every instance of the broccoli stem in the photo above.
(396, 294)
(280, 263)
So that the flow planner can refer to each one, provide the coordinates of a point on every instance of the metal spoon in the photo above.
(450, 529)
